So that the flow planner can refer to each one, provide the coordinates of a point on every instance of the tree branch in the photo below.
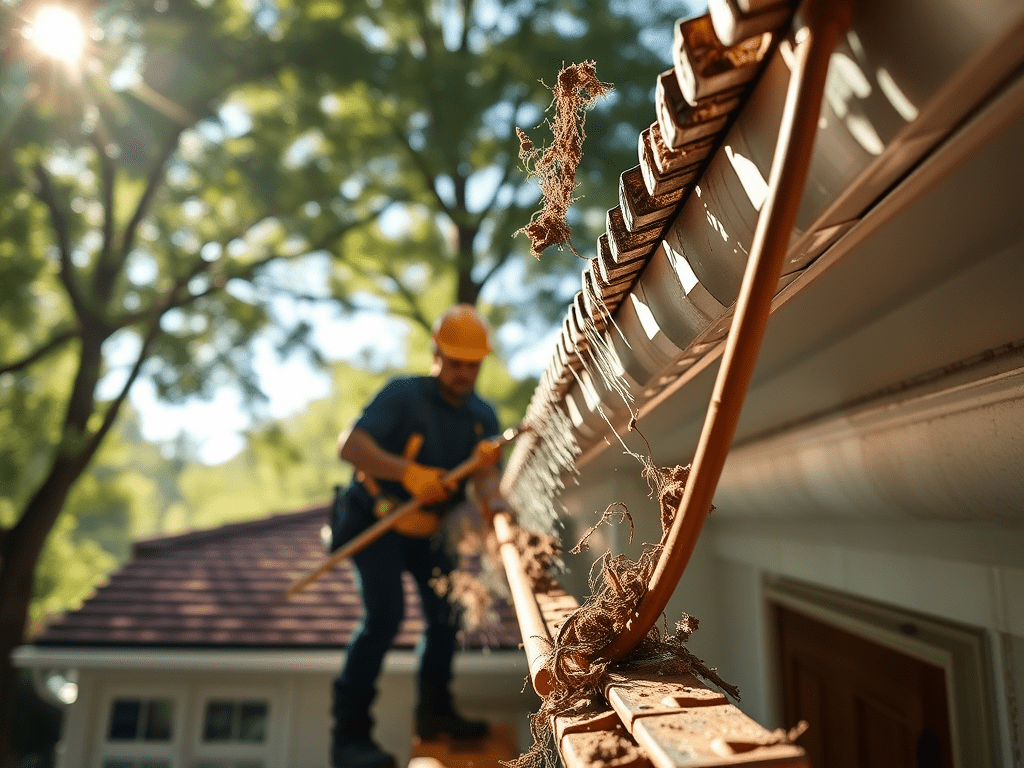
(110, 416)
(48, 196)
(54, 343)
(502, 258)
(421, 165)
(178, 295)
(98, 140)
(156, 176)
(409, 296)
(467, 15)
(512, 155)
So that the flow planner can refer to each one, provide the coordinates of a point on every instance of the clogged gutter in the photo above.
(577, 671)
(585, 633)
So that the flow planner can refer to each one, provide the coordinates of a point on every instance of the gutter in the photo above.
(320, 660)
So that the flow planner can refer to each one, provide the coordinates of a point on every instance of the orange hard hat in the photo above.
(461, 333)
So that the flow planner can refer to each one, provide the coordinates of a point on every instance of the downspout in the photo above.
(824, 23)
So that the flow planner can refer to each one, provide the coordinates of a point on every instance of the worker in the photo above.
(410, 434)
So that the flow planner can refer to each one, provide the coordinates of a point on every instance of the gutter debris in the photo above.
(576, 89)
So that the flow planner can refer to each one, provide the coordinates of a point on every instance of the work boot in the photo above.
(351, 745)
(436, 716)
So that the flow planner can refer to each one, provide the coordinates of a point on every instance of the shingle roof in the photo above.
(222, 587)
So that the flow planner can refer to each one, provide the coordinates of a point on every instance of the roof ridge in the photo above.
(158, 543)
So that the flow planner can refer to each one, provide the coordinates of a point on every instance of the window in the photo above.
(235, 721)
(139, 726)
(140, 720)
(184, 724)
(234, 732)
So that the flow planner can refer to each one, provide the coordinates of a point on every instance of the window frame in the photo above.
(267, 751)
(137, 750)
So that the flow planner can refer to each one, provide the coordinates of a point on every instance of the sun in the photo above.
(58, 33)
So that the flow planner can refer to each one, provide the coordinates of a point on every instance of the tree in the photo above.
(159, 198)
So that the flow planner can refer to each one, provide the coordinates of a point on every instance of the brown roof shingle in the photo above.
(222, 587)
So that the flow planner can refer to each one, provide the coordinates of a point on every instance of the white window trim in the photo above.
(170, 750)
(269, 751)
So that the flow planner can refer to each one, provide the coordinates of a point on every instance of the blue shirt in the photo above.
(414, 404)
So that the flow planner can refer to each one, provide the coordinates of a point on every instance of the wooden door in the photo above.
(868, 706)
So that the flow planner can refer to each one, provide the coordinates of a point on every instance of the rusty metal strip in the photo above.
(733, 24)
(629, 244)
(670, 161)
(656, 181)
(556, 605)
(713, 736)
(640, 209)
(682, 123)
(613, 272)
(706, 67)
(636, 696)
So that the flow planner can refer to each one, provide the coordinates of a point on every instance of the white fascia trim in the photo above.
(243, 660)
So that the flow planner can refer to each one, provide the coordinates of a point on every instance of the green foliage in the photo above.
(121, 497)
(125, 495)
(70, 568)
(152, 227)
(285, 466)
(29, 428)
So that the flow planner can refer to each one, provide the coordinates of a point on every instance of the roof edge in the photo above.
(321, 660)
(142, 546)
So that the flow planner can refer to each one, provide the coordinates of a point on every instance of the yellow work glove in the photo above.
(425, 484)
(489, 452)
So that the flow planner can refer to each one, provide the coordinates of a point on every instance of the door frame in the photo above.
(961, 651)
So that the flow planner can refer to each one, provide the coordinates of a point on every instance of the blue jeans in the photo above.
(379, 576)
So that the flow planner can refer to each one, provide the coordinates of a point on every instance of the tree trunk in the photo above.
(23, 544)
(467, 290)
(19, 555)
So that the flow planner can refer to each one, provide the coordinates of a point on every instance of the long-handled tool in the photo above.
(386, 523)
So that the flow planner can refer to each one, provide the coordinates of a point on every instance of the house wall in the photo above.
(299, 705)
(83, 739)
(968, 575)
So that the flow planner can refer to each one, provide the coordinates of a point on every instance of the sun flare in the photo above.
(58, 33)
